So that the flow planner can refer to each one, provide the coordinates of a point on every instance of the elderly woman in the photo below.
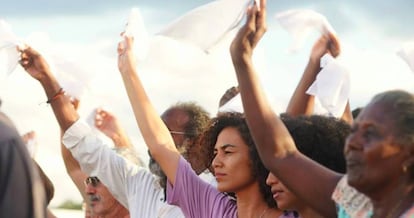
(379, 151)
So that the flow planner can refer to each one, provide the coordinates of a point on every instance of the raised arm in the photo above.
(156, 135)
(302, 103)
(274, 143)
(71, 164)
(38, 68)
(108, 124)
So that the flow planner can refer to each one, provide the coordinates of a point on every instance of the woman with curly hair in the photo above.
(230, 151)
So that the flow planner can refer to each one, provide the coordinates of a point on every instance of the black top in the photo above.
(21, 192)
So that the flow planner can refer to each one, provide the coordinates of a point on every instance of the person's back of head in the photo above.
(320, 138)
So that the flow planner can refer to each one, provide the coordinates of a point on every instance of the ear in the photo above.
(408, 164)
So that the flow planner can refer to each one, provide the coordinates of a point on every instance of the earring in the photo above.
(405, 168)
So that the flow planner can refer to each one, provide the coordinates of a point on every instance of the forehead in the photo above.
(229, 136)
(374, 112)
(175, 118)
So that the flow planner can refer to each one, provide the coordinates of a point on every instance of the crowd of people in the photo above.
(251, 163)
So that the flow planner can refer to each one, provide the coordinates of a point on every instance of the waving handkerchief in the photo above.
(9, 55)
(332, 86)
(407, 54)
(206, 25)
(233, 105)
(135, 27)
(300, 22)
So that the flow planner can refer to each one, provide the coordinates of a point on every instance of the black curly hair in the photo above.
(320, 138)
(237, 121)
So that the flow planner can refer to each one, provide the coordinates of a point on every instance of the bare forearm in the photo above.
(62, 108)
(300, 102)
(153, 129)
(266, 127)
(120, 140)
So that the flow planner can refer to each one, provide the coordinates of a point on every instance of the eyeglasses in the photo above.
(92, 180)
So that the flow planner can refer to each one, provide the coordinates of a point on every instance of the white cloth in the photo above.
(134, 187)
(135, 27)
(208, 24)
(233, 105)
(332, 86)
(407, 54)
(9, 55)
(300, 22)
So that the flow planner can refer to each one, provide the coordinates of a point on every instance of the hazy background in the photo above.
(88, 31)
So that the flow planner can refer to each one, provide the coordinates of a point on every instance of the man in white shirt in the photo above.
(133, 186)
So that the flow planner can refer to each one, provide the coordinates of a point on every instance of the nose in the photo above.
(271, 179)
(352, 142)
(89, 189)
(217, 162)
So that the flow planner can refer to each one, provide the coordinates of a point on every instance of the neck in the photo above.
(395, 203)
(307, 212)
(250, 204)
(117, 212)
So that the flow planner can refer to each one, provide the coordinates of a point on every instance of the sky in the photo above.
(87, 33)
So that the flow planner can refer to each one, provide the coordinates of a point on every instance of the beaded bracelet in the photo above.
(56, 96)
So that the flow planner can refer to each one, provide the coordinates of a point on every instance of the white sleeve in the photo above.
(97, 159)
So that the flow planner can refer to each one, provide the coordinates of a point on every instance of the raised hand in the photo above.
(126, 57)
(33, 63)
(251, 33)
(108, 124)
(327, 43)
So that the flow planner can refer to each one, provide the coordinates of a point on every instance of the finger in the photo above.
(251, 18)
(129, 40)
(121, 47)
(334, 45)
(261, 25)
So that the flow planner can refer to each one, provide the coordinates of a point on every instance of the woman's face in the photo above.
(374, 160)
(285, 199)
(232, 164)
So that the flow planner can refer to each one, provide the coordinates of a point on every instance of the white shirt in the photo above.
(133, 186)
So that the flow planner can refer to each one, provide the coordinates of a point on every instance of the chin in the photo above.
(355, 181)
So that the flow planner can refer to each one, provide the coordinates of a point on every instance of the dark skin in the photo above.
(279, 153)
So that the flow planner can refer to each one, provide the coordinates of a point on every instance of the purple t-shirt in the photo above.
(197, 198)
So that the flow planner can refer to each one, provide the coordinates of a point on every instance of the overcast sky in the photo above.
(370, 33)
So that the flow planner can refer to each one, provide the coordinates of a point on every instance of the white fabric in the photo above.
(206, 25)
(71, 73)
(9, 55)
(133, 186)
(332, 86)
(233, 105)
(407, 54)
(300, 22)
(135, 27)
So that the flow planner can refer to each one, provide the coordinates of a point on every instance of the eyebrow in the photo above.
(222, 147)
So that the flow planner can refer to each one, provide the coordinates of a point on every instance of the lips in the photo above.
(219, 176)
(276, 193)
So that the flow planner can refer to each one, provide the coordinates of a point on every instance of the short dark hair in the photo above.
(237, 121)
(320, 138)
